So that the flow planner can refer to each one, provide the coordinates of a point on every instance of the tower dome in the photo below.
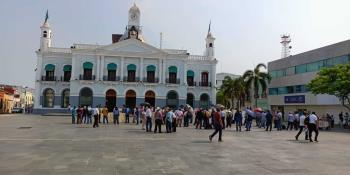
(134, 8)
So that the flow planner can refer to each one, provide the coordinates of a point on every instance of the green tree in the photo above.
(231, 90)
(333, 81)
(256, 79)
(227, 88)
(222, 98)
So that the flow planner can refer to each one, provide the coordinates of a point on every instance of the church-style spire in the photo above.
(46, 16)
(46, 33)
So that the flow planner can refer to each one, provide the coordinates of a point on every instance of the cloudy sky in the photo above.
(247, 31)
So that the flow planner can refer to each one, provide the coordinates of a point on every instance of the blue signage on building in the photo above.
(294, 99)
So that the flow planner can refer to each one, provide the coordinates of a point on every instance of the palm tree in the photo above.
(228, 89)
(239, 91)
(256, 79)
(222, 98)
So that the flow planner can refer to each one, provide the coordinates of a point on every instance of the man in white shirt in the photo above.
(301, 125)
(148, 119)
(312, 126)
(95, 112)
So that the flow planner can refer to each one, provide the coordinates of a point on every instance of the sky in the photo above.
(247, 32)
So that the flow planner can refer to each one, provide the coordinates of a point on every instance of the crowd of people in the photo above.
(216, 117)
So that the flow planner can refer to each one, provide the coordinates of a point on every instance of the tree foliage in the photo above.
(333, 81)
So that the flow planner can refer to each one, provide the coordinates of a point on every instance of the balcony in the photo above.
(150, 80)
(87, 77)
(107, 78)
(192, 83)
(48, 78)
(172, 81)
(131, 79)
(204, 84)
(65, 79)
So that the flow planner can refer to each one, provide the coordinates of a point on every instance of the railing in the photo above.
(48, 78)
(197, 57)
(174, 51)
(204, 84)
(172, 81)
(85, 46)
(131, 79)
(59, 50)
(85, 77)
(191, 83)
(66, 79)
(106, 78)
(150, 80)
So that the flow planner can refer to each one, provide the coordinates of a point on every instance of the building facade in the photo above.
(290, 75)
(127, 72)
(220, 77)
(6, 99)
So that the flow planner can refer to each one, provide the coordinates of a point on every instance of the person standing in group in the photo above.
(74, 114)
(148, 119)
(223, 115)
(296, 120)
(100, 113)
(268, 120)
(84, 114)
(249, 120)
(238, 120)
(229, 119)
(346, 119)
(341, 119)
(116, 115)
(218, 125)
(158, 121)
(137, 115)
(278, 120)
(263, 120)
(199, 119)
(143, 117)
(301, 125)
(290, 121)
(179, 117)
(96, 113)
(174, 124)
(89, 115)
(127, 113)
(80, 115)
(169, 120)
(105, 115)
(313, 126)
(187, 118)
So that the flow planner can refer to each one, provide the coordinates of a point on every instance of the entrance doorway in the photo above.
(190, 100)
(111, 99)
(172, 99)
(150, 97)
(130, 99)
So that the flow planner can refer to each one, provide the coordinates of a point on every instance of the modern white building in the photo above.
(290, 75)
(126, 72)
(220, 77)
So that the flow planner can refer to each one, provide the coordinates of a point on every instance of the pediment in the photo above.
(131, 46)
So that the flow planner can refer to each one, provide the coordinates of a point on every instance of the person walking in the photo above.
(116, 115)
(199, 119)
(158, 121)
(268, 120)
(218, 125)
(313, 126)
(74, 114)
(105, 115)
(148, 119)
(301, 125)
(238, 120)
(169, 120)
(96, 113)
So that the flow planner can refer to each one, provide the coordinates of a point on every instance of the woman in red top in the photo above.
(218, 125)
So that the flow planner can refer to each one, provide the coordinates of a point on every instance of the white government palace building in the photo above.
(126, 72)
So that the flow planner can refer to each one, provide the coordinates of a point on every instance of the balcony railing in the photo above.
(131, 79)
(205, 84)
(192, 83)
(150, 80)
(85, 77)
(65, 79)
(48, 78)
(106, 78)
(173, 81)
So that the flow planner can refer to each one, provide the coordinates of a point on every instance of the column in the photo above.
(73, 74)
(185, 74)
(141, 69)
(213, 83)
(98, 65)
(164, 71)
(122, 69)
(159, 68)
(102, 67)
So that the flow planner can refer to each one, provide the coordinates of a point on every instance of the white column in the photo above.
(102, 67)
(39, 66)
(98, 65)
(164, 70)
(213, 83)
(73, 74)
(122, 68)
(141, 69)
(159, 68)
(185, 74)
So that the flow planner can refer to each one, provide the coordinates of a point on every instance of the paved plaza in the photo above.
(54, 146)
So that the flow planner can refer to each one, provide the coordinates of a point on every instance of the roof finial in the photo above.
(47, 15)
(209, 27)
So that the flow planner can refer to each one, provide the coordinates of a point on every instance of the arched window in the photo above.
(150, 97)
(112, 71)
(172, 99)
(151, 69)
(85, 97)
(45, 34)
(67, 71)
(48, 98)
(50, 72)
(205, 78)
(111, 99)
(190, 78)
(190, 99)
(131, 73)
(173, 75)
(65, 98)
(210, 44)
(204, 101)
(130, 99)
(87, 66)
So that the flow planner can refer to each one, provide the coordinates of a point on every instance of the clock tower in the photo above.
(134, 17)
